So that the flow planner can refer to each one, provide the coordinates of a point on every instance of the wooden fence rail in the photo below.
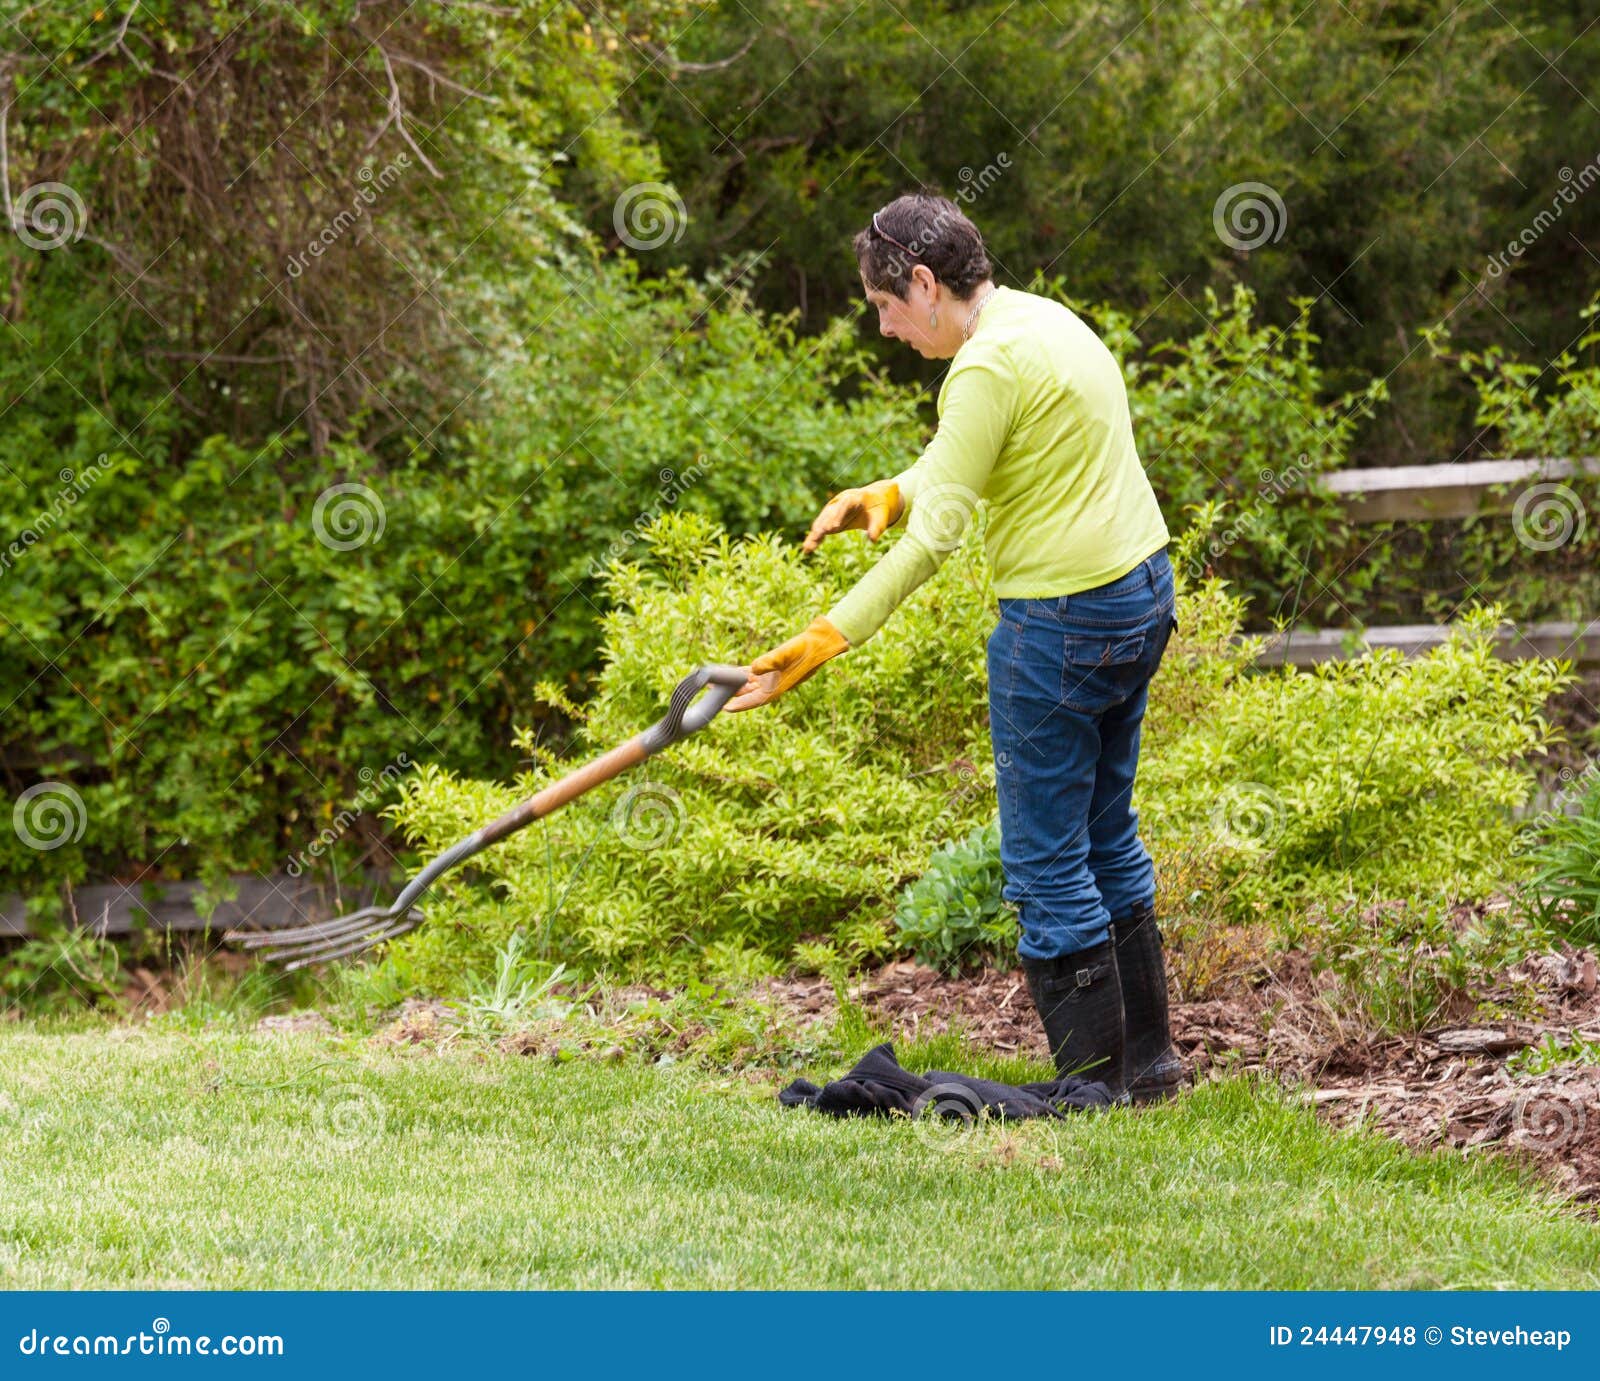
(1425, 493)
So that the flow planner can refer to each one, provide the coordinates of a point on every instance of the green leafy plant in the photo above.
(1239, 416)
(1404, 964)
(1377, 775)
(1550, 1054)
(256, 690)
(792, 831)
(1535, 551)
(793, 825)
(62, 969)
(953, 915)
(522, 991)
(1563, 892)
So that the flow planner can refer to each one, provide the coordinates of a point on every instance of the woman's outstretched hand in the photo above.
(788, 664)
(875, 507)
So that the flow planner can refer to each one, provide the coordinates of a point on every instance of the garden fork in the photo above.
(372, 925)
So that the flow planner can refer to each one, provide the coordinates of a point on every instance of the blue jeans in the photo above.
(1068, 682)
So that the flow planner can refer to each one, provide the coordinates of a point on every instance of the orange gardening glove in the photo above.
(876, 507)
(788, 664)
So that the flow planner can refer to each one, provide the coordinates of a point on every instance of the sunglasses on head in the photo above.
(884, 234)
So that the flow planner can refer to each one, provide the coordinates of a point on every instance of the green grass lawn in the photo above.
(156, 1159)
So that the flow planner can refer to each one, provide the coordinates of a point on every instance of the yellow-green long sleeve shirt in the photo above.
(1033, 418)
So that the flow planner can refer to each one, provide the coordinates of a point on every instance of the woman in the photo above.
(1033, 417)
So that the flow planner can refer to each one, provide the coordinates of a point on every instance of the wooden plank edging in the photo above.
(1577, 642)
(272, 902)
(1458, 489)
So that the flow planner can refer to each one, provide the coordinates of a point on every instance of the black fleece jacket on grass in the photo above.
(877, 1085)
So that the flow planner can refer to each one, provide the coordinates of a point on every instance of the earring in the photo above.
(933, 317)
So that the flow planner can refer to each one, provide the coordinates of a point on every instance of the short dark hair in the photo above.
(922, 228)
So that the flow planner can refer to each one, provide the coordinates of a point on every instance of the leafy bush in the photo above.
(789, 831)
(1563, 892)
(953, 914)
(1404, 964)
(1376, 775)
(1542, 558)
(1238, 415)
(227, 679)
(61, 970)
(328, 284)
(1385, 207)
(794, 825)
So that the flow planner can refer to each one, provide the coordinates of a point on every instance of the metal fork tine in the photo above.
(322, 945)
(299, 959)
(331, 930)
(256, 939)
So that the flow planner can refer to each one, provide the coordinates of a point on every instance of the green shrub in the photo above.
(953, 914)
(1563, 892)
(1375, 775)
(1238, 415)
(789, 831)
(223, 689)
(1408, 963)
(784, 828)
(1551, 1054)
(1542, 558)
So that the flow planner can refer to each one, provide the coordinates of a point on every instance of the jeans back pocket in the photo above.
(1109, 649)
(1101, 670)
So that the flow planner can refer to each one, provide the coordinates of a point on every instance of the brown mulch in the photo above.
(1445, 1087)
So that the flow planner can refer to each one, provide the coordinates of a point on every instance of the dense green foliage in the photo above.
(785, 833)
(1564, 891)
(791, 825)
(316, 217)
(1375, 776)
(1542, 557)
(1238, 415)
(248, 655)
(319, 432)
(1405, 145)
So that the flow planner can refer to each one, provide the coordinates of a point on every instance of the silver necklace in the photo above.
(972, 316)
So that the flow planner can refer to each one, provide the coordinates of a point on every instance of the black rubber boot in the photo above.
(1079, 1000)
(1153, 1067)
